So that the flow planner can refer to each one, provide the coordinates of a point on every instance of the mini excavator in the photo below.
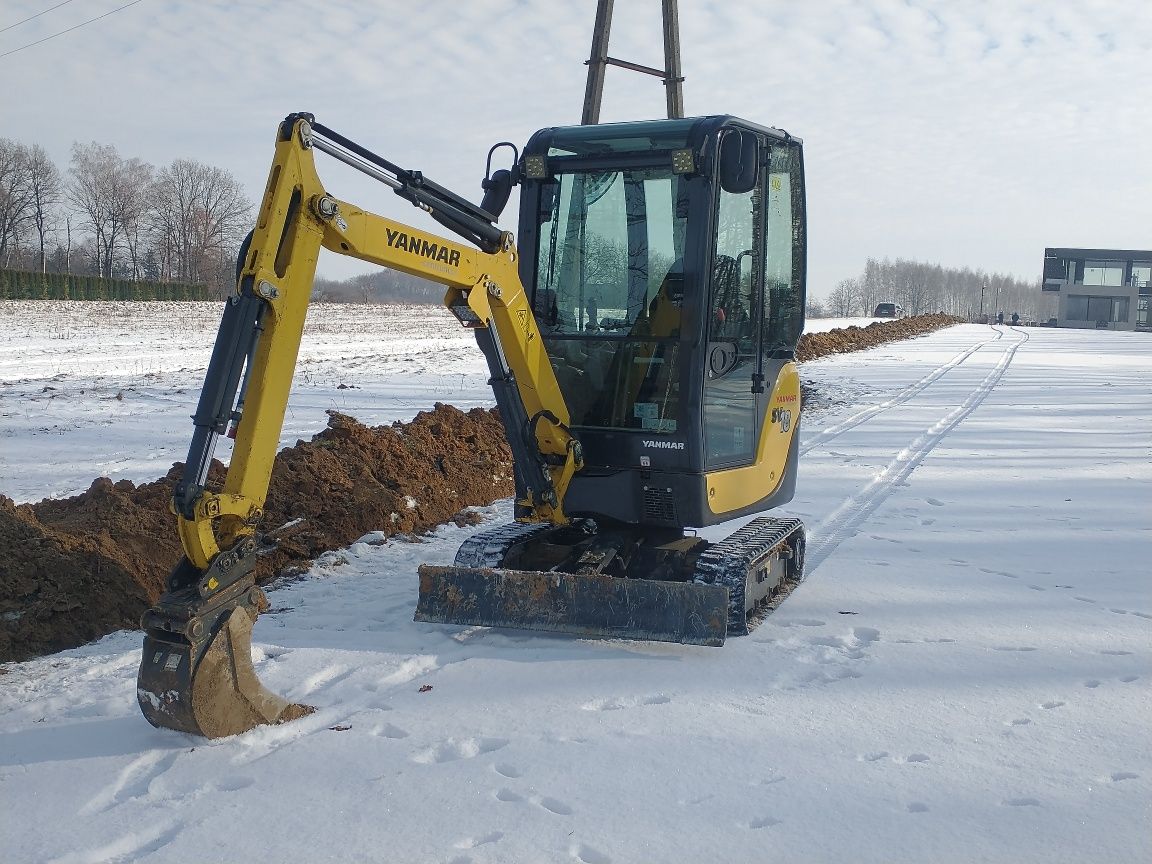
(640, 333)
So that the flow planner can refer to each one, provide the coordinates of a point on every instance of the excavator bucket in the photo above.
(200, 679)
(604, 606)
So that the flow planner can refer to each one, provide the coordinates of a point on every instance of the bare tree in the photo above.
(843, 297)
(15, 195)
(111, 194)
(198, 218)
(46, 189)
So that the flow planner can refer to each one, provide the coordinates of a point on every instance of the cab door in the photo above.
(732, 404)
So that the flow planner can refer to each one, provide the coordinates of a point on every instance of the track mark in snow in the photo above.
(325, 676)
(1020, 802)
(473, 842)
(917, 807)
(132, 782)
(799, 622)
(1013, 648)
(843, 522)
(131, 847)
(508, 796)
(935, 502)
(453, 750)
(587, 854)
(826, 435)
(1091, 683)
(1128, 679)
(1048, 706)
(1084, 599)
(1116, 653)
(1123, 775)
(504, 769)
(1019, 721)
(872, 757)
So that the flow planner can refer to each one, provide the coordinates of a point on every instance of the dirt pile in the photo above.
(842, 340)
(74, 569)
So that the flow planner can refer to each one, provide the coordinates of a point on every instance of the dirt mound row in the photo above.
(74, 569)
(842, 340)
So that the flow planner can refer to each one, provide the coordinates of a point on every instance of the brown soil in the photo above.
(74, 569)
(839, 341)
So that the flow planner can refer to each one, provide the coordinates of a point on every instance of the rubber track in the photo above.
(488, 548)
(727, 563)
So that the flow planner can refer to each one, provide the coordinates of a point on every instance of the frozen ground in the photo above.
(91, 389)
(964, 675)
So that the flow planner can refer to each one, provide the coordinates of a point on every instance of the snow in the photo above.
(963, 676)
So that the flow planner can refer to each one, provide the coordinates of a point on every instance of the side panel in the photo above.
(738, 488)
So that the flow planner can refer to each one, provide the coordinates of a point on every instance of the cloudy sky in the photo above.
(961, 132)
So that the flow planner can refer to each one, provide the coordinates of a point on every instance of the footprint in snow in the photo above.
(1091, 683)
(1117, 776)
(587, 854)
(1048, 706)
(621, 702)
(1116, 653)
(935, 502)
(1020, 802)
(473, 842)
(1019, 721)
(917, 807)
(508, 796)
(388, 730)
(504, 769)
(1128, 679)
(764, 822)
(915, 757)
(553, 805)
(453, 749)
(872, 757)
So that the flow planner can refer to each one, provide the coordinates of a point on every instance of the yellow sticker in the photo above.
(212, 583)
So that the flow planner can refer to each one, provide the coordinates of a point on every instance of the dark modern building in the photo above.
(1102, 288)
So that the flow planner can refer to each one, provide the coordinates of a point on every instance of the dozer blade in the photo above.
(605, 606)
(196, 672)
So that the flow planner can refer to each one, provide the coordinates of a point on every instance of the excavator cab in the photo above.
(640, 338)
(666, 260)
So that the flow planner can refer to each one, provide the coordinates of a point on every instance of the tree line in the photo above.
(117, 218)
(923, 288)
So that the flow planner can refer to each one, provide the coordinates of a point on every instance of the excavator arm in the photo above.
(196, 673)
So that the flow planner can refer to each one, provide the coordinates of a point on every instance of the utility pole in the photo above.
(598, 61)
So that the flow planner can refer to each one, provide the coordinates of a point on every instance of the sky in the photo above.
(963, 133)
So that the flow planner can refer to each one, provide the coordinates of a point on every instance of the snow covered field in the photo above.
(964, 675)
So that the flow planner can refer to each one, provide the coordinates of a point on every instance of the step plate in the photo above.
(600, 606)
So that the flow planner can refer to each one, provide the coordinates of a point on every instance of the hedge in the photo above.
(25, 285)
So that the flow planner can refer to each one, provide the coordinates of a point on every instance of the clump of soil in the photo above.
(75, 569)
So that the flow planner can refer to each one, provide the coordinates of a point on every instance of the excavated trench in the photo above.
(75, 569)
